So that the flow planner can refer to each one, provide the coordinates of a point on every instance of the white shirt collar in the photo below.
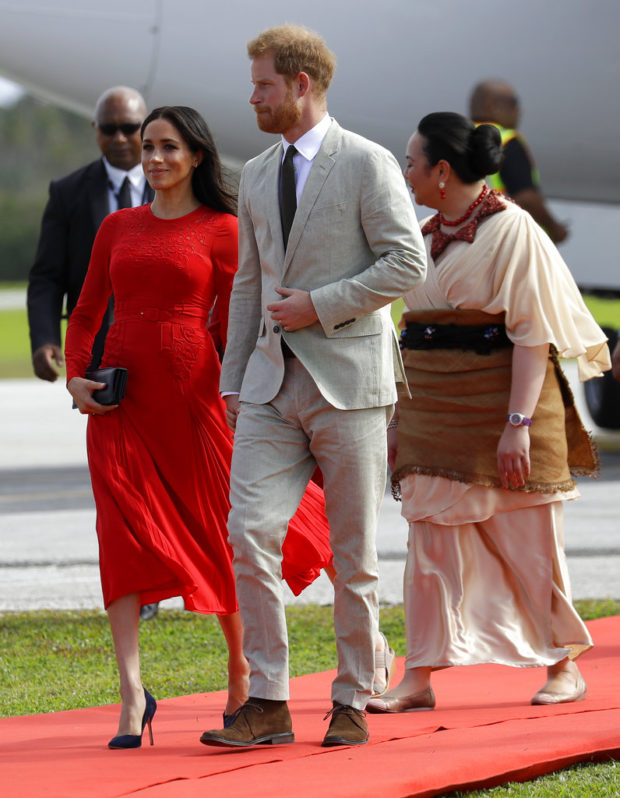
(310, 143)
(116, 176)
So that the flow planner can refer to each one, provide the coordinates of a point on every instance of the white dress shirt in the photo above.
(307, 148)
(116, 176)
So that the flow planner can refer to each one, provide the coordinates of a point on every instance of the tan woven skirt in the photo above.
(452, 424)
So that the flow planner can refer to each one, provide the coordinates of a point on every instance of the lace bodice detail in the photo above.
(150, 263)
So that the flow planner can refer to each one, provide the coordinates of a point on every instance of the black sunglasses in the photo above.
(127, 128)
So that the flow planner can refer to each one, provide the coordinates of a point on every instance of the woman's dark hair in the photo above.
(207, 181)
(473, 152)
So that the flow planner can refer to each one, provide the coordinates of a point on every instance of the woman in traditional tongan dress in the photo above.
(487, 445)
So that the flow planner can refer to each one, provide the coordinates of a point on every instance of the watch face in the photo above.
(518, 419)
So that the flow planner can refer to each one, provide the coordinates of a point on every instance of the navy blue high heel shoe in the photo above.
(135, 740)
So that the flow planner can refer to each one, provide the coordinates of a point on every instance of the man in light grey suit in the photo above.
(309, 372)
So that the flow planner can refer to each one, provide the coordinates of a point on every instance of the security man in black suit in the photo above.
(77, 205)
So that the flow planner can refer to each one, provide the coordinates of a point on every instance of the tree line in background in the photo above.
(39, 143)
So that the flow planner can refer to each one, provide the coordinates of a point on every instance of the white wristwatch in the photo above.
(518, 420)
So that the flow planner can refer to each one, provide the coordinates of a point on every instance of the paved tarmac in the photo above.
(48, 546)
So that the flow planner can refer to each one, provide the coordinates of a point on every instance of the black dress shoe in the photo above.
(148, 611)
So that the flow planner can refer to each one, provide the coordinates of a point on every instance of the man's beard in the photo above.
(280, 119)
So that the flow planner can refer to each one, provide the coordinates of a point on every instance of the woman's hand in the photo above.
(513, 456)
(82, 390)
(529, 364)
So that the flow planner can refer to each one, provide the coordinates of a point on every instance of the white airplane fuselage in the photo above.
(397, 61)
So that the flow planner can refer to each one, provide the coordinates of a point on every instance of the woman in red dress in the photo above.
(159, 461)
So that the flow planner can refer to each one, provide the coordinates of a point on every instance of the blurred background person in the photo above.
(486, 446)
(77, 205)
(496, 102)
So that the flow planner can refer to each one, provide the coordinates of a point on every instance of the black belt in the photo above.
(480, 338)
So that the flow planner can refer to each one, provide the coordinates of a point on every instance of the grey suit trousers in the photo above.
(276, 448)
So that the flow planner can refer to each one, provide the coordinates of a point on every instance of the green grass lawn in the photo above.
(15, 359)
(51, 661)
(14, 345)
(605, 311)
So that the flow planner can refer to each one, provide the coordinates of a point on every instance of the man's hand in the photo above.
(558, 232)
(294, 311)
(232, 409)
(531, 200)
(43, 360)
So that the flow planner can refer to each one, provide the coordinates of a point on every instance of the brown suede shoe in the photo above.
(347, 726)
(258, 722)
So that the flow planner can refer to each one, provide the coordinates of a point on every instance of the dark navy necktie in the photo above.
(288, 196)
(124, 195)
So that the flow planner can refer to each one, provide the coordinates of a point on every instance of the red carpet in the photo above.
(483, 732)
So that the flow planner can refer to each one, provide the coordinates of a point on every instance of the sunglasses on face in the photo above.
(127, 128)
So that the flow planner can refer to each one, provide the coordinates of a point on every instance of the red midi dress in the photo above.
(160, 462)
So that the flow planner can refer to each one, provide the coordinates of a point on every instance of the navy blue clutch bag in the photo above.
(115, 379)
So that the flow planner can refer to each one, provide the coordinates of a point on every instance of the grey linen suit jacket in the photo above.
(355, 245)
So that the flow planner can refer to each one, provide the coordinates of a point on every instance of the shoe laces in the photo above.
(345, 709)
(249, 706)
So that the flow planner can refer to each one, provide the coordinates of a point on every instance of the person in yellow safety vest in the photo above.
(496, 102)
(533, 178)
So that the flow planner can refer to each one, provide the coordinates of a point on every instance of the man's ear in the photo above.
(302, 83)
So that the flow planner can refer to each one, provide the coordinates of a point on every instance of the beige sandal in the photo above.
(385, 664)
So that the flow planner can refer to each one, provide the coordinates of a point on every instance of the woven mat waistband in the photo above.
(481, 338)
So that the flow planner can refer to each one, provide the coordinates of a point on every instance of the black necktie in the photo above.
(124, 195)
(288, 196)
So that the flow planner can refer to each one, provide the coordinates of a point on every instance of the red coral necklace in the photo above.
(491, 203)
(467, 213)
